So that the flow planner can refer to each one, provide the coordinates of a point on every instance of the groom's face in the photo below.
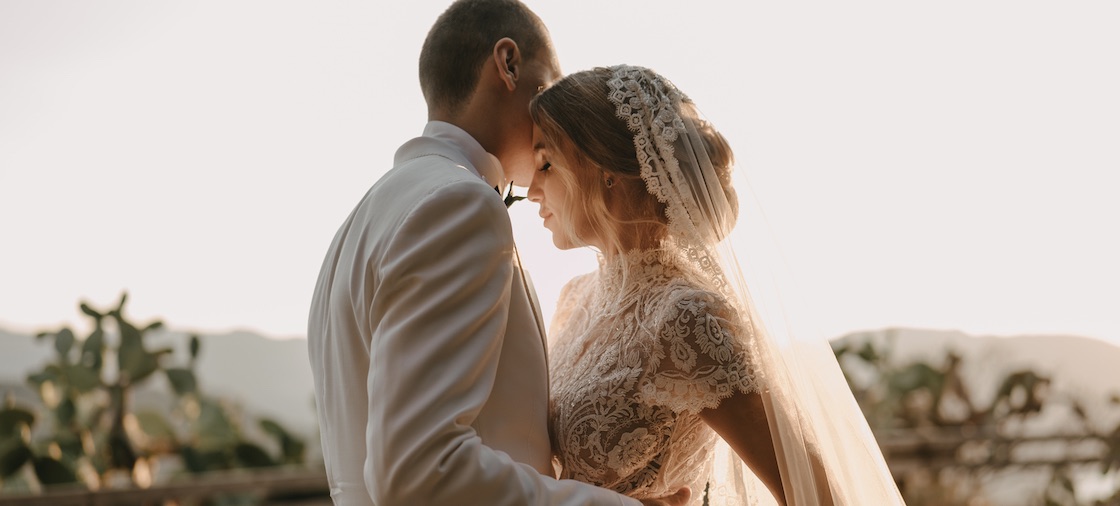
(537, 73)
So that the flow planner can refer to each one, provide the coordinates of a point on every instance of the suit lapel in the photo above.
(534, 304)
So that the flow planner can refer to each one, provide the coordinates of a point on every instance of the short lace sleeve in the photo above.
(700, 356)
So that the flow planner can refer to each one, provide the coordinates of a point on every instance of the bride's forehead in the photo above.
(538, 139)
(541, 142)
(544, 146)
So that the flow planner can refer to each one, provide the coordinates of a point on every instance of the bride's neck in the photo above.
(641, 236)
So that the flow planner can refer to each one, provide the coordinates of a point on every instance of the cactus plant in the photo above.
(96, 437)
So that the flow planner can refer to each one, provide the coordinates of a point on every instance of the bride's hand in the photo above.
(678, 499)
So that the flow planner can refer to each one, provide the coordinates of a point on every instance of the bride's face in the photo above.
(551, 190)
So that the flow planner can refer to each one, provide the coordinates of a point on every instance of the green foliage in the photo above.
(63, 341)
(51, 471)
(182, 380)
(15, 423)
(94, 426)
(93, 350)
(158, 430)
(197, 460)
(13, 420)
(136, 362)
(14, 454)
(251, 455)
(195, 345)
(215, 428)
(292, 449)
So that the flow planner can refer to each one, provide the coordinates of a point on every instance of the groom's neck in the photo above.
(479, 123)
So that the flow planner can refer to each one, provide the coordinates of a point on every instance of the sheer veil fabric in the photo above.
(826, 451)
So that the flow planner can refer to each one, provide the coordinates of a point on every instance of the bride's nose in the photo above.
(535, 193)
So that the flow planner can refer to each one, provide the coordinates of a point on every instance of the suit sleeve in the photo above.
(434, 358)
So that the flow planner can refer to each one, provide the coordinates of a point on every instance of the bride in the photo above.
(663, 376)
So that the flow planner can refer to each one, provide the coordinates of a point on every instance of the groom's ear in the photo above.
(507, 61)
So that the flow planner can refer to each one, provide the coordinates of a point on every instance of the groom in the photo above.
(427, 350)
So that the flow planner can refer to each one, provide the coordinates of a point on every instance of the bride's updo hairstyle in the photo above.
(577, 117)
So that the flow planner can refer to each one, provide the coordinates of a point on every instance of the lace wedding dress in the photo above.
(654, 337)
(641, 347)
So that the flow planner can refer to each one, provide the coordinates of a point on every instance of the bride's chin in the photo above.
(562, 242)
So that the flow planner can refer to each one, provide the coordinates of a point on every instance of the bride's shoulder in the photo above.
(575, 291)
(577, 285)
(691, 297)
(573, 296)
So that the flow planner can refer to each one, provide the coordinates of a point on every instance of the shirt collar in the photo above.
(482, 164)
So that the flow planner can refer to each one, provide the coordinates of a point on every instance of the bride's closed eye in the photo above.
(545, 167)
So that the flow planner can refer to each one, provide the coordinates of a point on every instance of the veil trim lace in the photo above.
(648, 107)
(827, 454)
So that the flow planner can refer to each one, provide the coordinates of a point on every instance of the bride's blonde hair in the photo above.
(576, 116)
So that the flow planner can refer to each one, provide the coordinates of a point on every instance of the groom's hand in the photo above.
(678, 499)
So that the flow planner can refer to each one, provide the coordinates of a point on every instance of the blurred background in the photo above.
(934, 183)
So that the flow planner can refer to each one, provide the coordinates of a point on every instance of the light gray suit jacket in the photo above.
(428, 355)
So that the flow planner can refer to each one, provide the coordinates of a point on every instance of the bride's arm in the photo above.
(704, 366)
(741, 421)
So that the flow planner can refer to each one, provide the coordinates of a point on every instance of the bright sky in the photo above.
(943, 164)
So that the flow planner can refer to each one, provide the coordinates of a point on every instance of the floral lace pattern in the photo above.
(640, 349)
(649, 105)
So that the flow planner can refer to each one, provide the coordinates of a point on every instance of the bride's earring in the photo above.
(610, 182)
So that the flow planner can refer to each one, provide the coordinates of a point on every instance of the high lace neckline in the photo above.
(637, 263)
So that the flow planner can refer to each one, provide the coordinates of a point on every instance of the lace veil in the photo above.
(826, 451)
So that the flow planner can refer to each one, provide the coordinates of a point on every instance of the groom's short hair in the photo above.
(463, 37)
